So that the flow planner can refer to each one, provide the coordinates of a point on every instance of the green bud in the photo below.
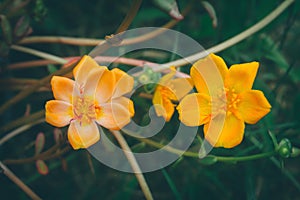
(295, 152)
(285, 148)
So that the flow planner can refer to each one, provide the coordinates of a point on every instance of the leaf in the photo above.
(39, 143)
(22, 27)
(212, 13)
(42, 167)
(6, 29)
(58, 137)
(170, 7)
(51, 68)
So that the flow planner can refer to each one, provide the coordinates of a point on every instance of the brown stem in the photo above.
(18, 182)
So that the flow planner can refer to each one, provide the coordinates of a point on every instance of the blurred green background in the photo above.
(276, 47)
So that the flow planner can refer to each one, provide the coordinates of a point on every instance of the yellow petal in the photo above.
(180, 87)
(123, 83)
(194, 109)
(92, 80)
(163, 106)
(105, 87)
(62, 88)
(58, 113)
(209, 74)
(241, 76)
(114, 115)
(83, 136)
(226, 134)
(166, 78)
(253, 106)
(82, 69)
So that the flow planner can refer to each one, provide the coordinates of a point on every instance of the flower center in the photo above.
(225, 101)
(85, 110)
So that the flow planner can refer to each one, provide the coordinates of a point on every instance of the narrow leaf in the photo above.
(39, 142)
(42, 167)
(212, 13)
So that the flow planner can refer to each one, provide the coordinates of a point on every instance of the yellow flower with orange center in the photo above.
(235, 102)
(169, 90)
(95, 97)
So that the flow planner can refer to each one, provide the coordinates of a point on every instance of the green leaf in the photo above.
(42, 167)
(6, 29)
(51, 68)
(209, 160)
(22, 27)
(39, 142)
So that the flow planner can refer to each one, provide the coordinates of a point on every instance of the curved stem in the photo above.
(196, 154)
(130, 16)
(137, 171)
(39, 54)
(18, 182)
(232, 41)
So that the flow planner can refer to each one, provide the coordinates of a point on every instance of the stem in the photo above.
(24, 93)
(130, 16)
(137, 171)
(18, 131)
(18, 182)
(196, 154)
(100, 59)
(232, 41)
(39, 54)
(22, 121)
(95, 42)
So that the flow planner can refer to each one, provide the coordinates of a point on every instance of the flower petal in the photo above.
(62, 88)
(241, 76)
(180, 87)
(105, 87)
(115, 114)
(93, 80)
(228, 136)
(208, 74)
(83, 136)
(163, 107)
(58, 113)
(85, 65)
(123, 83)
(194, 109)
(253, 106)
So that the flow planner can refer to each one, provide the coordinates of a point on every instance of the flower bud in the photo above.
(285, 148)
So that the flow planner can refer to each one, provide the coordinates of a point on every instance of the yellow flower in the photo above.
(169, 90)
(235, 101)
(96, 96)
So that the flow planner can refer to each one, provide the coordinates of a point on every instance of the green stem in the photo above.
(196, 154)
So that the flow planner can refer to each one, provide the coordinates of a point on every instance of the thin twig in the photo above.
(95, 42)
(130, 16)
(18, 182)
(137, 171)
(232, 41)
(39, 54)
(19, 130)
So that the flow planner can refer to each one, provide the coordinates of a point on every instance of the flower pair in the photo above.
(223, 103)
(95, 97)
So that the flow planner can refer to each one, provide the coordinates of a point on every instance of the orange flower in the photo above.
(235, 101)
(168, 90)
(96, 96)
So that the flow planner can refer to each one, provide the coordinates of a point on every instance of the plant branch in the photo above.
(18, 182)
(137, 171)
